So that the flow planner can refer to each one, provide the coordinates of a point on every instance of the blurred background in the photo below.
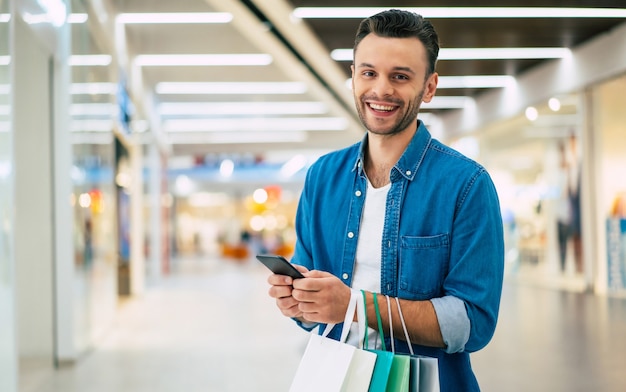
(151, 146)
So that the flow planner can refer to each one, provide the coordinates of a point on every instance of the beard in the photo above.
(403, 121)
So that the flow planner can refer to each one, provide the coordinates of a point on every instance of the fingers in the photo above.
(321, 299)
(289, 307)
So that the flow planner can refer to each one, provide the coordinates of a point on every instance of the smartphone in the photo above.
(279, 265)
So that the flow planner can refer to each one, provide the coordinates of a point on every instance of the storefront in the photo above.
(608, 122)
(554, 144)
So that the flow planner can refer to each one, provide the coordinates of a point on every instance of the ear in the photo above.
(430, 87)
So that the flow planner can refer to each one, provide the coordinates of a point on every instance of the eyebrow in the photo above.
(403, 69)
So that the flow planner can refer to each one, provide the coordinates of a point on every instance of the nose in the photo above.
(382, 87)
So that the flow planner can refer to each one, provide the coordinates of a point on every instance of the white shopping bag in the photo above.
(333, 366)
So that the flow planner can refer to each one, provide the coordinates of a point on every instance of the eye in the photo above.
(401, 77)
(368, 74)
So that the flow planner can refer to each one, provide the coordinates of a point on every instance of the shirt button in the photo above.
(358, 193)
(344, 276)
(350, 235)
(408, 172)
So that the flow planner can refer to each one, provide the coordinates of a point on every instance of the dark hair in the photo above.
(402, 24)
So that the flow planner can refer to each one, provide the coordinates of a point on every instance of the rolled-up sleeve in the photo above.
(453, 322)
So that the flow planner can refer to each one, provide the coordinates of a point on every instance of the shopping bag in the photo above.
(428, 375)
(399, 374)
(334, 366)
(424, 373)
(360, 372)
(380, 376)
(324, 365)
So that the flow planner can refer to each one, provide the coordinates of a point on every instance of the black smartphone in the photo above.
(279, 265)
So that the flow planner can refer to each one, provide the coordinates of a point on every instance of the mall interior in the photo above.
(136, 189)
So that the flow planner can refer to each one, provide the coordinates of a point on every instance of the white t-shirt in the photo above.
(369, 253)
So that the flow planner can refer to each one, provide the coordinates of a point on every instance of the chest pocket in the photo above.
(423, 265)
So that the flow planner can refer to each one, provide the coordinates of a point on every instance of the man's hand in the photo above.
(320, 297)
(281, 289)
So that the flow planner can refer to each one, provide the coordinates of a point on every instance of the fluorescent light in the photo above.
(479, 53)
(447, 102)
(222, 88)
(77, 18)
(238, 137)
(240, 108)
(55, 12)
(92, 125)
(93, 88)
(202, 59)
(5, 89)
(475, 81)
(463, 12)
(262, 124)
(93, 109)
(5, 60)
(101, 60)
(502, 53)
(174, 17)
(5, 110)
(5, 18)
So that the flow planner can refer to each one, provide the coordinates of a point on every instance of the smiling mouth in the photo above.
(382, 108)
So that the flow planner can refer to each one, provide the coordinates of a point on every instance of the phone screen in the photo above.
(279, 265)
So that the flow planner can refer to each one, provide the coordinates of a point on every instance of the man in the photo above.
(400, 214)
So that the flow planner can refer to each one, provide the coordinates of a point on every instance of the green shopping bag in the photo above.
(382, 368)
(399, 374)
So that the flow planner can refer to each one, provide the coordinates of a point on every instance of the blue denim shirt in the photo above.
(442, 241)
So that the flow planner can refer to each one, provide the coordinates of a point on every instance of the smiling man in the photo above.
(400, 214)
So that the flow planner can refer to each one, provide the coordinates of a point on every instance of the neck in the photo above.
(382, 153)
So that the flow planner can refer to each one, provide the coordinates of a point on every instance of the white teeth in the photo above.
(381, 107)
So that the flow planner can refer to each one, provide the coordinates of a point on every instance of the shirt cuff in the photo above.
(307, 326)
(453, 322)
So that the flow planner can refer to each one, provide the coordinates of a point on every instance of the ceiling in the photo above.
(217, 119)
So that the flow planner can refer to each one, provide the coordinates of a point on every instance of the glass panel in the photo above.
(536, 165)
(92, 111)
(8, 369)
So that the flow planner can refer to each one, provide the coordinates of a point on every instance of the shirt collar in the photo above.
(410, 160)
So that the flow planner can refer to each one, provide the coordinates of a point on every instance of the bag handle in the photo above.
(379, 322)
(347, 321)
(406, 333)
(393, 347)
(361, 316)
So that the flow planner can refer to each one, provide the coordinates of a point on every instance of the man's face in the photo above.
(388, 82)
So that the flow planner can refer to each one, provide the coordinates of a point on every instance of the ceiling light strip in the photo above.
(93, 88)
(502, 53)
(240, 108)
(227, 88)
(175, 17)
(464, 12)
(77, 18)
(262, 124)
(479, 53)
(238, 138)
(101, 60)
(177, 60)
(475, 81)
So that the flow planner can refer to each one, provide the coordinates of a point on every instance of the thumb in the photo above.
(318, 274)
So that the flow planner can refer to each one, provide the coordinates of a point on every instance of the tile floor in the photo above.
(211, 327)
